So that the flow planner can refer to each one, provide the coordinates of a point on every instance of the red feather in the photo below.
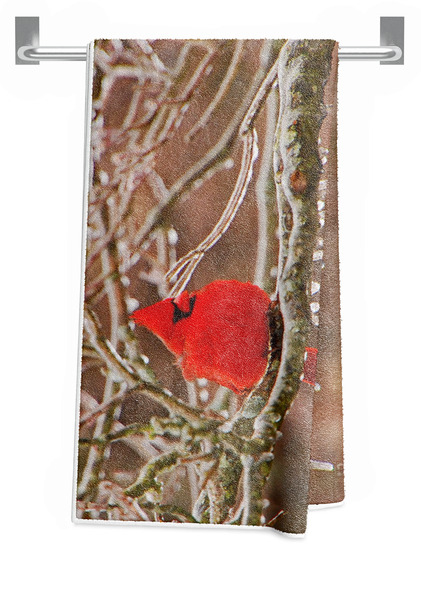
(219, 332)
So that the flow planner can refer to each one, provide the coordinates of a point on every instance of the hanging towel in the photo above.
(210, 380)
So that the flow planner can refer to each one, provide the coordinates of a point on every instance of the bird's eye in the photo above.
(183, 301)
(180, 314)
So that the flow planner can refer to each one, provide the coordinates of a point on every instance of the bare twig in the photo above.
(91, 476)
(189, 262)
(121, 366)
(129, 175)
(217, 155)
(264, 198)
(202, 122)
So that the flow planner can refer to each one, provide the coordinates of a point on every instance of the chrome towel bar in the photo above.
(29, 52)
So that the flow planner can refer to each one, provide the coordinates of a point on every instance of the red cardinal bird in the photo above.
(219, 332)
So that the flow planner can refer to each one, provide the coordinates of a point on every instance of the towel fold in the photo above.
(211, 358)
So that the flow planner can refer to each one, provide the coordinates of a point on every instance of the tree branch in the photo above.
(304, 67)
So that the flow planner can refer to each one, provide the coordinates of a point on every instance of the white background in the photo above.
(369, 546)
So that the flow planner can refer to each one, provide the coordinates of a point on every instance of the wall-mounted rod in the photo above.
(29, 53)
(36, 54)
(28, 50)
(382, 53)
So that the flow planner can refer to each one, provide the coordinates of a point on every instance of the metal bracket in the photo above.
(392, 33)
(26, 36)
(29, 52)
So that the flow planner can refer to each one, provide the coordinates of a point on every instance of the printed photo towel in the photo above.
(210, 379)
